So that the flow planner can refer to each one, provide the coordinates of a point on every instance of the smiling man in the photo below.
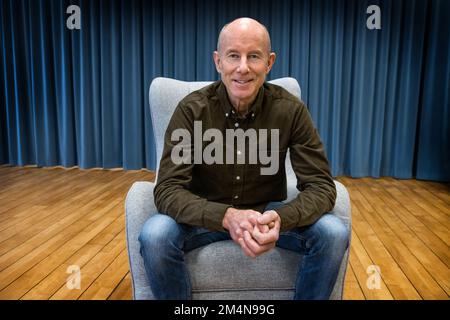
(200, 203)
(243, 59)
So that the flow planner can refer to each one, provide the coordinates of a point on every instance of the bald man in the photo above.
(207, 201)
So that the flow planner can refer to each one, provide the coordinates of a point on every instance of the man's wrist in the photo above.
(228, 212)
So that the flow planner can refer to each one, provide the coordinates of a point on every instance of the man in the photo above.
(201, 202)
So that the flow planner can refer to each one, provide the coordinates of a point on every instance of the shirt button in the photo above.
(226, 115)
(237, 177)
(236, 197)
(236, 124)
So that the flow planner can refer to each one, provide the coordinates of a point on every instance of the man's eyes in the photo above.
(251, 56)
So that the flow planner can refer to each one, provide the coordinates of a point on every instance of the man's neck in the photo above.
(242, 111)
(242, 107)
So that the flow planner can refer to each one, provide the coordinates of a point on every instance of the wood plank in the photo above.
(418, 239)
(50, 274)
(23, 244)
(361, 264)
(52, 218)
(91, 271)
(397, 282)
(78, 234)
(431, 197)
(352, 290)
(437, 221)
(105, 284)
(58, 277)
(419, 276)
(60, 216)
(124, 290)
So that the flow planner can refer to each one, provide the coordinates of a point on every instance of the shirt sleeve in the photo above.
(172, 191)
(314, 181)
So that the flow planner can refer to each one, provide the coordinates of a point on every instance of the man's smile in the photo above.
(242, 82)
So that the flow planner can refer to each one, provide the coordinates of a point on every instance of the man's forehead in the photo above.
(243, 38)
(247, 49)
(242, 31)
(244, 23)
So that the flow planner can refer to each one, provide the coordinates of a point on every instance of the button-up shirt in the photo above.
(198, 193)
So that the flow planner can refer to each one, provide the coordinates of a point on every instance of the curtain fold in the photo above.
(433, 150)
(379, 98)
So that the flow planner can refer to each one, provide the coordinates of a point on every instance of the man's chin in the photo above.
(243, 95)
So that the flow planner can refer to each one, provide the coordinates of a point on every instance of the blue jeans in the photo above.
(164, 242)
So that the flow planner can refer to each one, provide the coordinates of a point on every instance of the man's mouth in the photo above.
(242, 81)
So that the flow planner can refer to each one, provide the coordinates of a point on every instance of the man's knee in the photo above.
(334, 231)
(159, 232)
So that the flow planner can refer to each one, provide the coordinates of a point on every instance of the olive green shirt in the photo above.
(198, 194)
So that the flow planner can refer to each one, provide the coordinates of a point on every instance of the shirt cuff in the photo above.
(213, 215)
(289, 217)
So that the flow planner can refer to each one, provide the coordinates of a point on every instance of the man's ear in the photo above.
(216, 58)
(271, 61)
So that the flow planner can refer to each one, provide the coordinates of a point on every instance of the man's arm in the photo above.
(314, 180)
(172, 194)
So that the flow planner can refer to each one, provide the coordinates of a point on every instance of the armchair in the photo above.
(216, 269)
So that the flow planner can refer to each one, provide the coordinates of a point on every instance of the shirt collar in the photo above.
(228, 108)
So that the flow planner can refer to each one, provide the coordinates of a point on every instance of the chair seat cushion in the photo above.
(207, 266)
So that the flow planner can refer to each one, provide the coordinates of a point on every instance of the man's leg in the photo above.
(322, 245)
(163, 243)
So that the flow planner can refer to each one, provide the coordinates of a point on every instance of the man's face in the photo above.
(243, 62)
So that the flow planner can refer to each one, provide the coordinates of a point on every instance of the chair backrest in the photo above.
(166, 93)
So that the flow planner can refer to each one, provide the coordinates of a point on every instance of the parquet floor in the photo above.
(52, 219)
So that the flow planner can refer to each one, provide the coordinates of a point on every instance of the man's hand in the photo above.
(254, 232)
(258, 241)
(236, 221)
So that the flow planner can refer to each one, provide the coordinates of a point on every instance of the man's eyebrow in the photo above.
(256, 51)
(230, 51)
(260, 52)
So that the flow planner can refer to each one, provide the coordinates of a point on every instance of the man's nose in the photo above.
(243, 66)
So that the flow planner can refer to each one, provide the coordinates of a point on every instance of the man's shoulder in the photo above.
(279, 94)
(201, 96)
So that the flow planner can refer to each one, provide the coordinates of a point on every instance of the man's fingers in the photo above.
(255, 247)
(246, 226)
(265, 238)
(268, 217)
(245, 248)
(263, 228)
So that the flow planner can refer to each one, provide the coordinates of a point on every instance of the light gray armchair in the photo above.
(219, 270)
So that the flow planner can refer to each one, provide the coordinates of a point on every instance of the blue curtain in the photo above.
(380, 98)
(433, 149)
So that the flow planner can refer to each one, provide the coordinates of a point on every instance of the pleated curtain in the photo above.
(379, 98)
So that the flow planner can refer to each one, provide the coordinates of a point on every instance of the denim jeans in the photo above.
(164, 242)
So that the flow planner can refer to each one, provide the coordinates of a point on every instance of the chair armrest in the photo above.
(139, 206)
(342, 207)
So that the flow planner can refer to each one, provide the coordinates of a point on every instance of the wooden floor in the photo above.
(52, 219)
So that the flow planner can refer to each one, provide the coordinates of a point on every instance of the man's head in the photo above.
(243, 59)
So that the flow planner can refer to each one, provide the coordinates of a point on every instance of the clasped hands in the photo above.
(255, 232)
